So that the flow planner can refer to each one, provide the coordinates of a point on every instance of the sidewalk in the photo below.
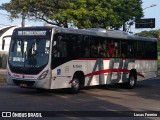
(3, 75)
(158, 73)
(3, 72)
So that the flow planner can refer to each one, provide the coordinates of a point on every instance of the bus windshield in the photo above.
(29, 53)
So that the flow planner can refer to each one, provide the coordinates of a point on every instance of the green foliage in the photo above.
(152, 34)
(82, 13)
(158, 46)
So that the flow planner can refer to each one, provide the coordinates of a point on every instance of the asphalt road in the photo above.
(145, 97)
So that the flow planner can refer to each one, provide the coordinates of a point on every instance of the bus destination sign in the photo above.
(32, 33)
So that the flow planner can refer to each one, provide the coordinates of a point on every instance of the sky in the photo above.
(149, 12)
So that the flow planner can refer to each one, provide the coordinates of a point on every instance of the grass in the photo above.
(2, 79)
(158, 63)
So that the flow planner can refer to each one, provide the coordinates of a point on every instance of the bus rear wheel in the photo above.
(75, 85)
(131, 81)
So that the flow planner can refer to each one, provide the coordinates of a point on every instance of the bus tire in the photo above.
(75, 85)
(131, 81)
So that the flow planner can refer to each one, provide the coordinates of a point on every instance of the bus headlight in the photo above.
(43, 75)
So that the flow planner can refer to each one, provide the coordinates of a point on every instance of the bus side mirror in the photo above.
(3, 44)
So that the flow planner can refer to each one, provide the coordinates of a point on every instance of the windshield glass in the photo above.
(29, 52)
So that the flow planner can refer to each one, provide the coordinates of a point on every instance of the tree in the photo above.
(127, 11)
(153, 34)
(81, 13)
(50, 11)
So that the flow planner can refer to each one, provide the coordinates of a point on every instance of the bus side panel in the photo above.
(62, 75)
(100, 72)
(97, 72)
(106, 66)
(90, 78)
(146, 69)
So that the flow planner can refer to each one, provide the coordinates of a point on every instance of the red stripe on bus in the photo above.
(140, 75)
(116, 58)
(88, 59)
(109, 71)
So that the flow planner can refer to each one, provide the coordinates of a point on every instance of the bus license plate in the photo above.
(23, 85)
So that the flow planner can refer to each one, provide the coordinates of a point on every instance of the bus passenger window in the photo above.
(124, 49)
(59, 48)
(55, 52)
(111, 49)
(102, 50)
(87, 53)
(94, 50)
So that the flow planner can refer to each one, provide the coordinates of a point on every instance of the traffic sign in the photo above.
(145, 23)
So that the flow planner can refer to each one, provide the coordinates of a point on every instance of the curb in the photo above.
(3, 71)
(3, 75)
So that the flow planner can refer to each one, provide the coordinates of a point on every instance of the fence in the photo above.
(3, 61)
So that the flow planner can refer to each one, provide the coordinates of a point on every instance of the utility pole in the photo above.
(23, 20)
(124, 27)
(153, 5)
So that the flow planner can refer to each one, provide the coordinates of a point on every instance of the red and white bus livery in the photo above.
(54, 57)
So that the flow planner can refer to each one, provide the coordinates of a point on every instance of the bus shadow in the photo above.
(148, 89)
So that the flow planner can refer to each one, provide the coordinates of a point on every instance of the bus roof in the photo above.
(94, 32)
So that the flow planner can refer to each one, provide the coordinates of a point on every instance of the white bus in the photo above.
(54, 57)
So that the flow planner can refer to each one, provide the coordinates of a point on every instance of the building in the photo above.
(5, 38)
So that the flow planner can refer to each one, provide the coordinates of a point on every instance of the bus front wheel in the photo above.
(131, 81)
(75, 85)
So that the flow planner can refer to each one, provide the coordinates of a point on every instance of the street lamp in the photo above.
(153, 5)
(131, 22)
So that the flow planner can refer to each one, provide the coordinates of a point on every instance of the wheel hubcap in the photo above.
(75, 83)
(132, 81)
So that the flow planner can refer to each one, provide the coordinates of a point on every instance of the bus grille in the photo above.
(19, 82)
